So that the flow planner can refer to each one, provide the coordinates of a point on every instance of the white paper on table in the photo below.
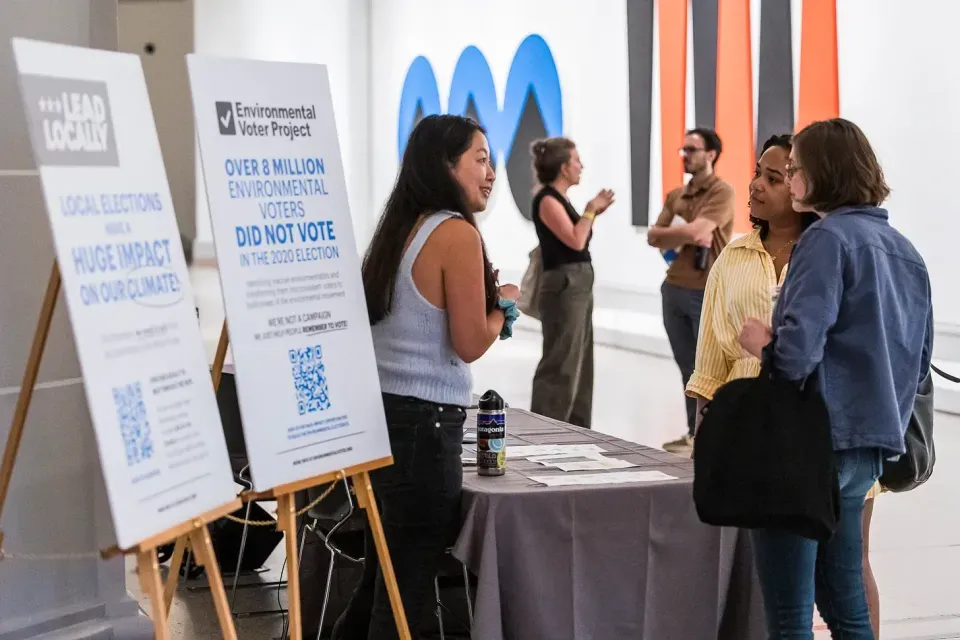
(594, 465)
(617, 477)
(589, 461)
(527, 450)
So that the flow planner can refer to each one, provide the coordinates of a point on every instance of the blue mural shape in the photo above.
(533, 74)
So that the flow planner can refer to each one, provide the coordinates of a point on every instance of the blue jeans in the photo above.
(794, 572)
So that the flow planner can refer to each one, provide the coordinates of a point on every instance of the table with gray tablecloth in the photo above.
(600, 562)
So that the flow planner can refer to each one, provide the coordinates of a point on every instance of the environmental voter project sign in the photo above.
(127, 288)
(307, 379)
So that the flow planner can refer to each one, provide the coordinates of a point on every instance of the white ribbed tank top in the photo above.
(415, 355)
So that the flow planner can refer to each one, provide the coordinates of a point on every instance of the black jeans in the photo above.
(563, 383)
(681, 319)
(419, 500)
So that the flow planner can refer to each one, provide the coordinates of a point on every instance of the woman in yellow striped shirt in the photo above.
(744, 283)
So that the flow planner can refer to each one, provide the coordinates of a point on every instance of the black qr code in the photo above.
(309, 379)
(134, 426)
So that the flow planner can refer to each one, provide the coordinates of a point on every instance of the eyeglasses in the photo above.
(792, 170)
(689, 151)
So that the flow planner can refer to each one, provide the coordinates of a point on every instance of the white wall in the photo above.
(898, 81)
(331, 32)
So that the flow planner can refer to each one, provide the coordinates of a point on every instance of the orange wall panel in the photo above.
(819, 76)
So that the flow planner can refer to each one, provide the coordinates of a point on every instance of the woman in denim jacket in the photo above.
(856, 309)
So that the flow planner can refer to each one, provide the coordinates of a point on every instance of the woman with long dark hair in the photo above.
(563, 383)
(435, 306)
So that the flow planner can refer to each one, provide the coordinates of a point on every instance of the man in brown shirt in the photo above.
(697, 222)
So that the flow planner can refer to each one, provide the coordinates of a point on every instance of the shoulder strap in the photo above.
(944, 374)
(427, 225)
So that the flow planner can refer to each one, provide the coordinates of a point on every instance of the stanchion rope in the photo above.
(273, 523)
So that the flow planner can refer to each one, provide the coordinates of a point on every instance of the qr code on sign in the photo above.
(309, 379)
(134, 426)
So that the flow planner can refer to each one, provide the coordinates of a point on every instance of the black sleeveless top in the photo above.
(556, 254)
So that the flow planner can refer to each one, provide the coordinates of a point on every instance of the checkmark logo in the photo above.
(225, 119)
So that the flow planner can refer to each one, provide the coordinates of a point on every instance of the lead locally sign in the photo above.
(307, 380)
(127, 287)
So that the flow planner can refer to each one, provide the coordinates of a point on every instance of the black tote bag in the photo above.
(764, 458)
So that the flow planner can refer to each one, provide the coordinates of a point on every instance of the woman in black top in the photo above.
(563, 384)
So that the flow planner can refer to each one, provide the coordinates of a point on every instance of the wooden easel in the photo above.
(146, 551)
(287, 522)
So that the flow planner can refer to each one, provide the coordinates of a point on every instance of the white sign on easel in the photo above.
(127, 287)
(307, 380)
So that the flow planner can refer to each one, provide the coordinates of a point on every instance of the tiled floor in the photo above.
(915, 537)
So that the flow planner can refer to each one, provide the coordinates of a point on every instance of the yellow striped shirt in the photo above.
(741, 285)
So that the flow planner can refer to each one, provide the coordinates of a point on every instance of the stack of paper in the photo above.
(524, 451)
(589, 461)
(618, 477)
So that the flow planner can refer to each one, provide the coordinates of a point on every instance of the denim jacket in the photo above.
(856, 308)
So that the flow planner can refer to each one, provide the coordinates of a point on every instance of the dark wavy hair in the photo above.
(807, 218)
(425, 185)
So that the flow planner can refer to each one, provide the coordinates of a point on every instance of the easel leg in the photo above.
(150, 582)
(220, 357)
(30, 374)
(365, 498)
(173, 577)
(203, 549)
(287, 522)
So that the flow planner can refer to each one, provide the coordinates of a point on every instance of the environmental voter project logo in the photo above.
(259, 121)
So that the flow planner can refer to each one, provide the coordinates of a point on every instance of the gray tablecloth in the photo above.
(601, 562)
